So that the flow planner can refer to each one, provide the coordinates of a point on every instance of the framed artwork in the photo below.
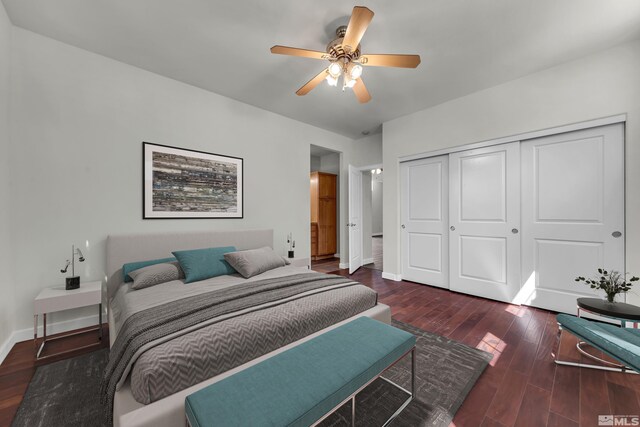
(180, 183)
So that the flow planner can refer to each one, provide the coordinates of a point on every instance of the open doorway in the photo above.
(324, 179)
(372, 218)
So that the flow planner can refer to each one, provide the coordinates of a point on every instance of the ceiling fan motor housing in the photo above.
(337, 51)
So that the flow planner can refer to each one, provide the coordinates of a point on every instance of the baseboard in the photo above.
(343, 265)
(391, 276)
(52, 328)
(367, 261)
(336, 255)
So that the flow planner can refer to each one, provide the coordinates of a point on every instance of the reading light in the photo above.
(73, 282)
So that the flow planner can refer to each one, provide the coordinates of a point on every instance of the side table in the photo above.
(58, 299)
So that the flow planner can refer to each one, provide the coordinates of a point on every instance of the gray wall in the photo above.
(78, 121)
(7, 322)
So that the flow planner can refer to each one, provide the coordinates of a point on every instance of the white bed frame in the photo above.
(169, 412)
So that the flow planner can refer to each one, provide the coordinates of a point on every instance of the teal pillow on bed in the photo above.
(131, 266)
(200, 264)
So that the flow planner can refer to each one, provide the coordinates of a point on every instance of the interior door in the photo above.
(572, 213)
(425, 221)
(484, 220)
(355, 219)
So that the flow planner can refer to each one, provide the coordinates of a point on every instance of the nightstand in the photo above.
(300, 262)
(58, 299)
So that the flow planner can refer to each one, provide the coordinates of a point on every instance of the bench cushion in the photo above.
(620, 343)
(298, 386)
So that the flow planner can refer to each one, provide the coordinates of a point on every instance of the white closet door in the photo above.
(572, 213)
(425, 217)
(484, 219)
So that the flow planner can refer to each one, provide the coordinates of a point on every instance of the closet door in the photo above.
(572, 213)
(425, 217)
(484, 220)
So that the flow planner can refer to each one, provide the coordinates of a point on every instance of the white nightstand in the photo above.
(300, 262)
(58, 299)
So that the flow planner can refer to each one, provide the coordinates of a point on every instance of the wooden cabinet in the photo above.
(323, 215)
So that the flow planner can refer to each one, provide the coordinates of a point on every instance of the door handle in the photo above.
(616, 234)
(402, 226)
(452, 228)
(514, 230)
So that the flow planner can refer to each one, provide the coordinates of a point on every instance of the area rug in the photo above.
(66, 392)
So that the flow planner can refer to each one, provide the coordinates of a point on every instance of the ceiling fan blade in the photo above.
(402, 61)
(294, 51)
(360, 19)
(312, 83)
(361, 92)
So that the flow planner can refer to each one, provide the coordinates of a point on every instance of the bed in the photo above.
(152, 387)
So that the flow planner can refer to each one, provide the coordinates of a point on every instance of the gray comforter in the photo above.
(182, 342)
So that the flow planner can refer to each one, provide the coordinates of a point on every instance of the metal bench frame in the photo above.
(605, 364)
(352, 398)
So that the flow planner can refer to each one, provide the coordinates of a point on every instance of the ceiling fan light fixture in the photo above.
(354, 70)
(332, 81)
(348, 82)
(335, 70)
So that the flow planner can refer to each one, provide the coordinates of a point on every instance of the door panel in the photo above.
(355, 219)
(424, 215)
(572, 202)
(482, 187)
(484, 216)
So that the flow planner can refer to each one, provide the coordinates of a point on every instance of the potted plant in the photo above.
(611, 282)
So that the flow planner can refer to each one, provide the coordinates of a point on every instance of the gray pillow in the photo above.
(254, 261)
(155, 274)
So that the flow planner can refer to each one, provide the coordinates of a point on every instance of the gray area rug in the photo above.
(65, 393)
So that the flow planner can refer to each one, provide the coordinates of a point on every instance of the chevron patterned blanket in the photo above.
(160, 325)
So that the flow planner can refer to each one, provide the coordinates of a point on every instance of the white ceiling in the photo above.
(223, 46)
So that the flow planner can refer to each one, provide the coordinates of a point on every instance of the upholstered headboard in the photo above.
(126, 248)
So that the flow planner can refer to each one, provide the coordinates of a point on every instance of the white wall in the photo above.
(368, 150)
(76, 156)
(7, 312)
(315, 164)
(599, 85)
(376, 204)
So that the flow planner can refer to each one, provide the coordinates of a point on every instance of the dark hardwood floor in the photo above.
(521, 387)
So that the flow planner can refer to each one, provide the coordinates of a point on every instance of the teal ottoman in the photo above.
(306, 383)
(620, 343)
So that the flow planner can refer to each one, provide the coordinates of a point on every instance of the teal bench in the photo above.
(305, 384)
(622, 344)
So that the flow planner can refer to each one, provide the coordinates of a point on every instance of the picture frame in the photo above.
(180, 183)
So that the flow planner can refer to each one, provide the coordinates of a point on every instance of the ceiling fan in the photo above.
(346, 59)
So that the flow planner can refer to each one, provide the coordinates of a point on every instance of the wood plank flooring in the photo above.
(521, 387)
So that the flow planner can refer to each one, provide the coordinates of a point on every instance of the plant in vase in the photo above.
(611, 282)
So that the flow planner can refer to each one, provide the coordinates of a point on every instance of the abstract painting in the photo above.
(180, 183)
